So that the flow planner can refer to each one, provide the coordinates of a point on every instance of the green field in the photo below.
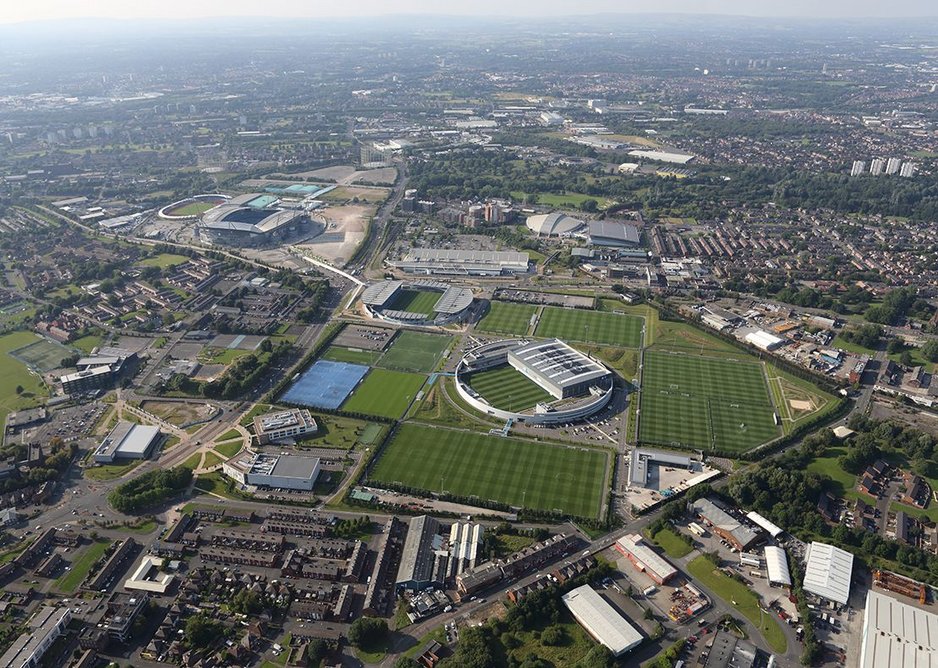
(590, 327)
(673, 545)
(42, 355)
(87, 343)
(508, 389)
(165, 260)
(520, 473)
(742, 598)
(564, 200)
(414, 351)
(415, 301)
(192, 209)
(505, 318)
(705, 402)
(72, 579)
(384, 393)
(14, 373)
(351, 355)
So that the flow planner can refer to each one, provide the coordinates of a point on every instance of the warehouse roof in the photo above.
(601, 620)
(128, 439)
(558, 363)
(828, 572)
(897, 634)
(776, 563)
(653, 562)
(464, 257)
(772, 529)
(417, 557)
(721, 519)
(607, 230)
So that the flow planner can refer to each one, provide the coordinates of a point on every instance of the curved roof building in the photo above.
(250, 220)
(554, 224)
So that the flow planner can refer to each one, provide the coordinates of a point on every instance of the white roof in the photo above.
(897, 634)
(553, 224)
(776, 563)
(601, 620)
(770, 528)
(651, 560)
(763, 339)
(828, 571)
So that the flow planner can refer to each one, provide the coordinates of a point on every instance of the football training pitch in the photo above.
(591, 327)
(519, 473)
(384, 393)
(505, 318)
(508, 389)
(415, 301)
(414, 351)
(705, 403)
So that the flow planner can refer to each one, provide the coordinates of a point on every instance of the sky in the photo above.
(14, 11)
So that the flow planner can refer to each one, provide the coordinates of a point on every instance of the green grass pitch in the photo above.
(591, 327)
(351, 355)
(508, 389)
(192, 209)
(414, 351)
(43, 355)
(505, 318)
(415, 301)
(706, 403)
(384, 393)
(520, 473)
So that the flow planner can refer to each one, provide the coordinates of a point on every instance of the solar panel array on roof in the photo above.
(557, 362)
(454, 300)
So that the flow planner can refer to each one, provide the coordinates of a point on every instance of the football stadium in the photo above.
(254, 219)
(425, 303)
(533, 382)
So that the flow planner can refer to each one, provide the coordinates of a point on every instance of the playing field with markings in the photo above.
(414, 351)
(415, 301)
(703, 402)
(384, 393)
(352, 355)
(508, 389)
(505, 318)
(591, 326)
(516, 472)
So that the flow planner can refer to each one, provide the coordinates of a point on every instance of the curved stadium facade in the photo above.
(252, 220)
(580, 386)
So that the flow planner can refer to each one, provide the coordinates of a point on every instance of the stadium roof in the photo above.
(660, 567)
(558, 363)
(242, 214)
(378, 294)
(454, 300)
(776, 563)
(828, 572)
(601, 620)
(770, 528)
(606, 232)
(553, 224)
(897, 634)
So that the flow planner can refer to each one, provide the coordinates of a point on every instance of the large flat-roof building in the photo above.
(283, 425)
(418, 568)
(275, 471)
(645, 559)
(776, 564)
(557, 367)
(897, 634)
(641, 458)
(601, 620)
(725, 525)
(451, 262)
(99, 370)
(828, 572)
(613, 234)
(127, 441)
(45, 627)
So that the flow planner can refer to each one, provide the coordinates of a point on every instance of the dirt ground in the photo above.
(346, 227)
(920, 418)
(346, 174)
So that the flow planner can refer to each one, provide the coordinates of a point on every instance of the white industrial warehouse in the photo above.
(127, 441)
(776, 563)
(828, 571)
(601, 620)
(897, 634)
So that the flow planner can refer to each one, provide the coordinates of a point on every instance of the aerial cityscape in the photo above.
(469, 340)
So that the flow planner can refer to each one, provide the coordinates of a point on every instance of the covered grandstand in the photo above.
(554, 224)
(388, 301)
(580, 386)
(254, 219)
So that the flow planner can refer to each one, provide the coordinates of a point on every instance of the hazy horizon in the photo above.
(57, 10)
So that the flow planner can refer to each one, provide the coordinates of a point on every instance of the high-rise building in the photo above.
(908, 169)
(892, 166)
(876, 167)
(858, 168)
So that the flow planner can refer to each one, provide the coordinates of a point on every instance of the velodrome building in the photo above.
(580, 385)
(254, 219)
(379, 302)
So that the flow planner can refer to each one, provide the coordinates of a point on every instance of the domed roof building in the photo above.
(554, 224)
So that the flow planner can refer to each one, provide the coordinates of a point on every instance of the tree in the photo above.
(553, 635)
(367, 632)
(19, 389)
(201, 631)
(317, 649)
(905, 359)
(247, 602)
(406, 662)
(930, 350)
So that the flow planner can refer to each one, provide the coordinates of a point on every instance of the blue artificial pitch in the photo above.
(326, 384)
